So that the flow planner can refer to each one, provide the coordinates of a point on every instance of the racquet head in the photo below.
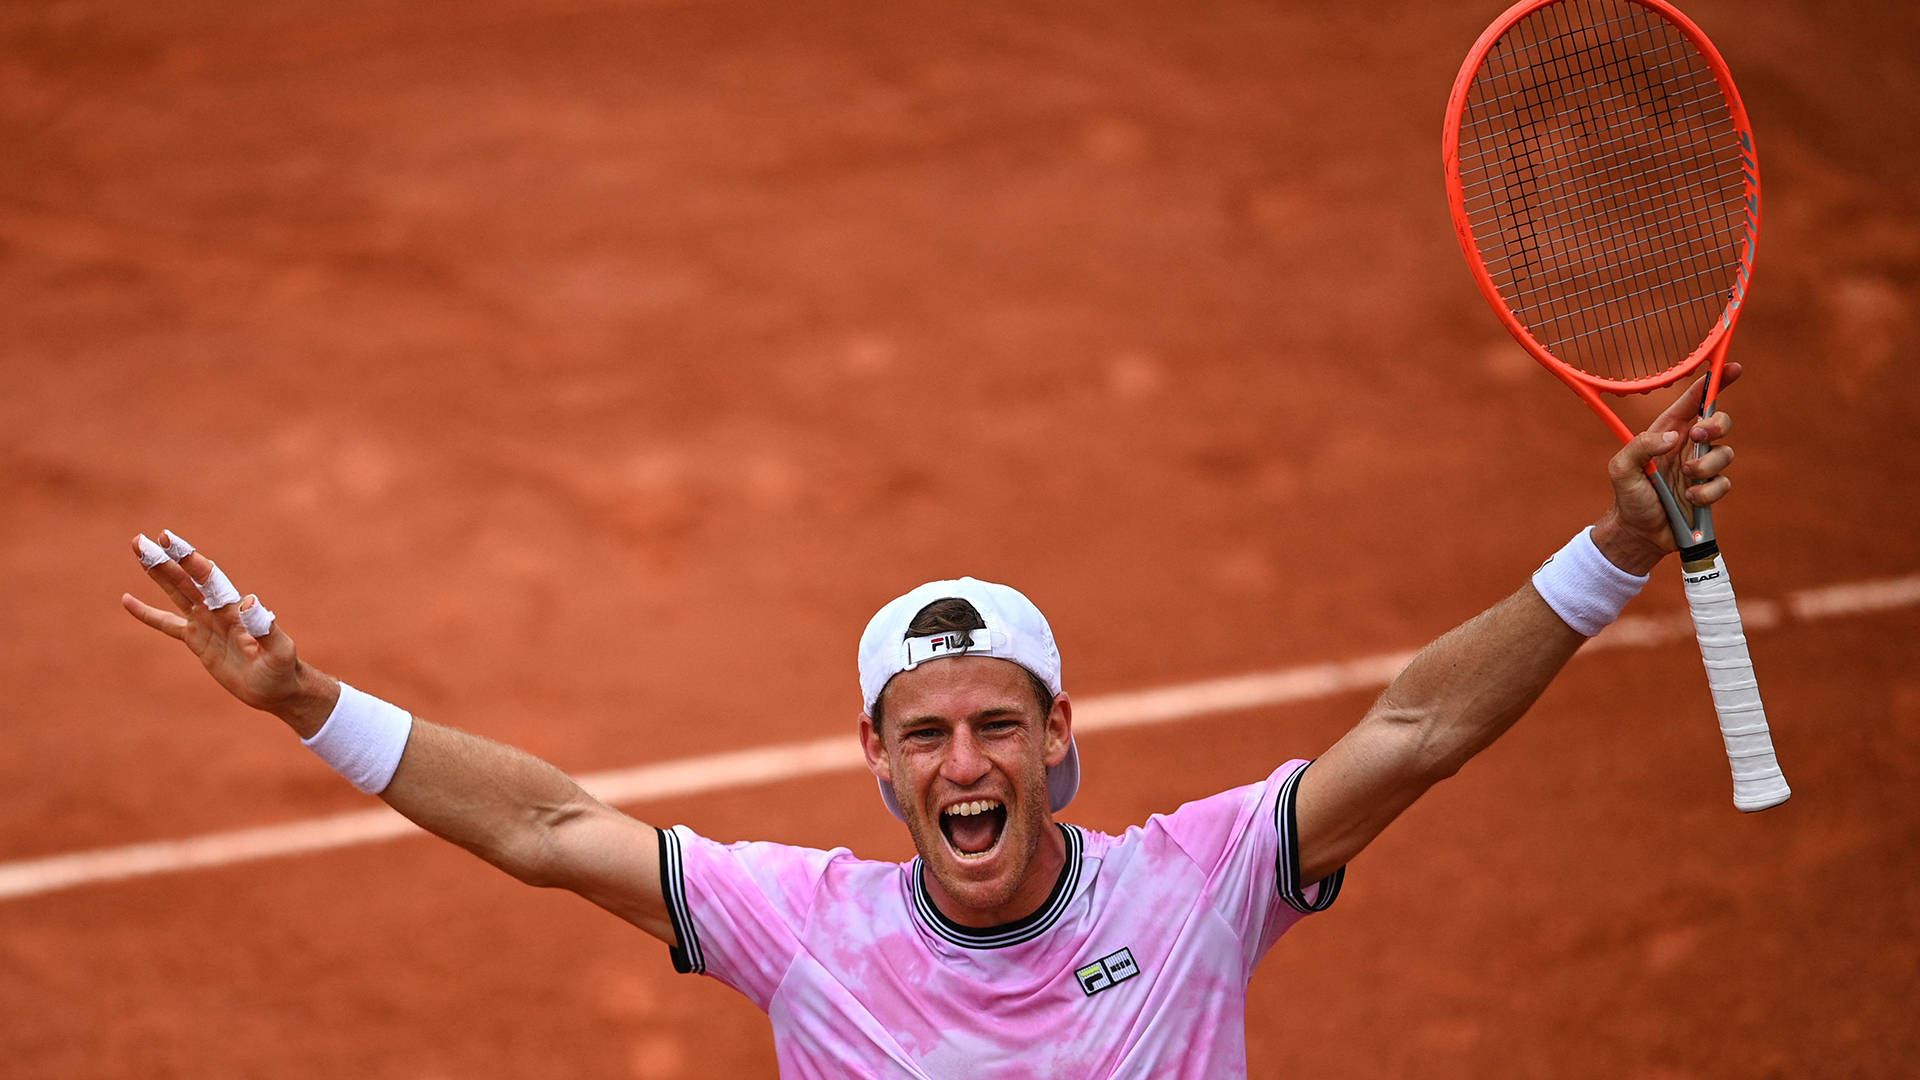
(1601, 173)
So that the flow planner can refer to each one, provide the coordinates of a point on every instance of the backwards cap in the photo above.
(1015, 631)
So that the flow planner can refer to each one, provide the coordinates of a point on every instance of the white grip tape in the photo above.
(177, 548)
(1758, 782)
(363, 739)
(218, 592)
(257, 619)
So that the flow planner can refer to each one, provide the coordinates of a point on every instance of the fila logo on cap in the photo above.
(922, 649)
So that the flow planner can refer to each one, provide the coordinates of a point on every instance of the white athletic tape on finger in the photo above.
(257, 619)
(363, 739)
(218, 592)
(151, 554)
(177, 548)
(1758, 782)
(1583, 588)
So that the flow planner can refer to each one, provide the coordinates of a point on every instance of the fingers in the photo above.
(215, 590)
(199, 588)
(1729, 373)
(168, 575)
(1710, 492)
(1684, 407)
(174, 626)
(1632, 460)
(255, 616)
(1712, 429)
(1708, 465)
(1689, 402)
(1707, 470)
(149, 553)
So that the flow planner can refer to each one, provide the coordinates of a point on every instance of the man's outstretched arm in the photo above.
(511, 809)
(1468, 687)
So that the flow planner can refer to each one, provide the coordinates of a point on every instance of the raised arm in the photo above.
(511, 809)
(1461, 692)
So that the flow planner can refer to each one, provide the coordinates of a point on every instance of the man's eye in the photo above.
(923, 734)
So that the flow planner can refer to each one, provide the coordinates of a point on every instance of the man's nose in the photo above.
(966, 760)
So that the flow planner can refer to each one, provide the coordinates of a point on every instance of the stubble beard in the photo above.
(1020, 840)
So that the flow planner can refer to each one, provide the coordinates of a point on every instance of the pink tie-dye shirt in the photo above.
(1136, 965)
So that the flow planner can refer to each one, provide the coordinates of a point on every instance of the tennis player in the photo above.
(1014, 945)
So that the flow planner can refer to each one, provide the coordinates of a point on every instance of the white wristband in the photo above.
(363, 739)
(1583, 588)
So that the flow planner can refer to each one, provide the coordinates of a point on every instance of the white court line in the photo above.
(791, 761)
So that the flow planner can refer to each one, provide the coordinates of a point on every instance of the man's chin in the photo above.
(974, 889)
(977, 884)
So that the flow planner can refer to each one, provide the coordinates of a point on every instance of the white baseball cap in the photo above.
(1015, 631)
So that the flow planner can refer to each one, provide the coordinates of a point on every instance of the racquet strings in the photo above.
(1603, 180)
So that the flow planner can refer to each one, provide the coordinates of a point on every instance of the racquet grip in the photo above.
(1757, 780)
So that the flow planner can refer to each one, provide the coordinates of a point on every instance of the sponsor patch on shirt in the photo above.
(1110, 970)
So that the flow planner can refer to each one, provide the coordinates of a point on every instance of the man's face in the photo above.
(966, 747)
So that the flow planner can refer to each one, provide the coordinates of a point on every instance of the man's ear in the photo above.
(1059, 730)
(874, 746)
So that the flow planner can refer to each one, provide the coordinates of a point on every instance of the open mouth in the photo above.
(973, 829)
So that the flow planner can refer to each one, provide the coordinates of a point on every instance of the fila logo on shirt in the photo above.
(1110, 970)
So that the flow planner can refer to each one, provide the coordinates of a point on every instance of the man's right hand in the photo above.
(512, 809)
(264, 672)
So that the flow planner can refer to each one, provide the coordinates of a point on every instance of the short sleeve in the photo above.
(738, 909)
(1246, 841)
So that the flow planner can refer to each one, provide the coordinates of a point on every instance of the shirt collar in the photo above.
(1020, 930)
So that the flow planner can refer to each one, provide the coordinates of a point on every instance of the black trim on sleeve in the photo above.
(687, 958)
(1287, 861)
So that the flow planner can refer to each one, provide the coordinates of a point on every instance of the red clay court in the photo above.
(585, 374)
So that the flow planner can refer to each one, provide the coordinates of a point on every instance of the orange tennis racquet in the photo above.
(1605, 191)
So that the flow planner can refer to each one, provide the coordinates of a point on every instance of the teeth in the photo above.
(968, 809)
